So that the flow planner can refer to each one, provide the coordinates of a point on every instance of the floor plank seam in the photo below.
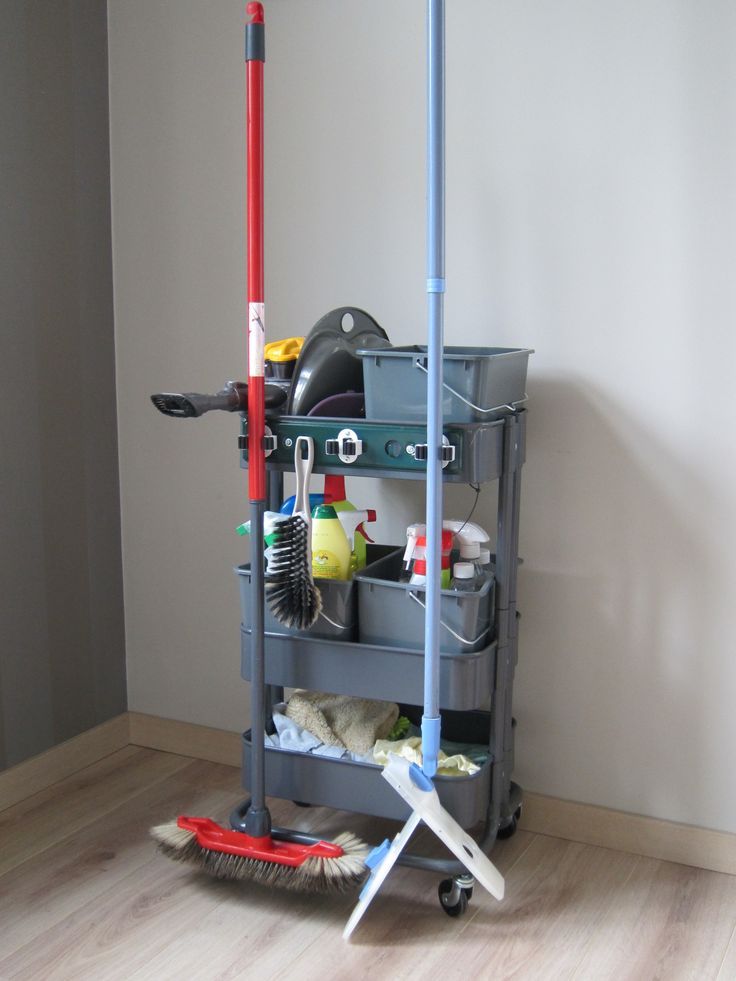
(731, 940)
(68, 776)
(475, 911)
(592, 939)
(101, 813)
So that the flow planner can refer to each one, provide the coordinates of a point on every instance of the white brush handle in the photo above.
(303, 470)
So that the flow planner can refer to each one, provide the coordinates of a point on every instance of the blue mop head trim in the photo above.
(430, 744)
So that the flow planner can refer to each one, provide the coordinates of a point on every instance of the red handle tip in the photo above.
(255, 10)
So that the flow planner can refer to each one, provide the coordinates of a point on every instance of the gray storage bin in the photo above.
(391, 613)
(479, 383)
(359, 787)
(339, 617)
(337, 621)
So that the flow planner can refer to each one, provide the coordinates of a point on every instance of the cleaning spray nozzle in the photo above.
(466, 532)
(351, 521)
(413, 533)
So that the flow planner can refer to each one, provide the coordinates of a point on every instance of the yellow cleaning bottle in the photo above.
(330, 546)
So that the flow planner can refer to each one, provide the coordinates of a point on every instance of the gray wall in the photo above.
(62, 654)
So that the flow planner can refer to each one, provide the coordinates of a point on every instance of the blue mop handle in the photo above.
(435, 298)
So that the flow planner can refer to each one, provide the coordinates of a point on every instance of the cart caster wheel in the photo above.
(453, 899)
(468, 893)
(510, 829)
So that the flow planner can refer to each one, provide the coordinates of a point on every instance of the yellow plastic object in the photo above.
(330, 545)
(411, 749)
(285, 350)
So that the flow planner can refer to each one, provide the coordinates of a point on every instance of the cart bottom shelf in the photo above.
(350, 786)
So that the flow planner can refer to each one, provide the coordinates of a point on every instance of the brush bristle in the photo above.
(314, 875)
(291, 594)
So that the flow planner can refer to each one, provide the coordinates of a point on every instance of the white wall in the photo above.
(591, 215)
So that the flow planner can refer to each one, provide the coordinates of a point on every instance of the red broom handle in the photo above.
(256, 316)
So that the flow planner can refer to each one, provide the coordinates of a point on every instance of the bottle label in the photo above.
(327, 565)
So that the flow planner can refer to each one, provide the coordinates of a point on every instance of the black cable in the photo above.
(476, 488)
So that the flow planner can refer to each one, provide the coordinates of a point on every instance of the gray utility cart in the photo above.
(471, 679)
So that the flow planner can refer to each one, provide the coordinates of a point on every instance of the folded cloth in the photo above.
(411, 749)
(342, 720)
(292, 737)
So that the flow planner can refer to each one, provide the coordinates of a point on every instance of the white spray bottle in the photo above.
(466, 532)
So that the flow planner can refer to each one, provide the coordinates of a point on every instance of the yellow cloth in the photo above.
(411, 749)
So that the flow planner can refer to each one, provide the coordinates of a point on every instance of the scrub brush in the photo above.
(291, 594)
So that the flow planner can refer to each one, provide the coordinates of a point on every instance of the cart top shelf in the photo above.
(371, 448)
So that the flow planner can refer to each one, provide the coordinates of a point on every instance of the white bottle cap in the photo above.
(485, 556)
(470, 550)
(463, 570)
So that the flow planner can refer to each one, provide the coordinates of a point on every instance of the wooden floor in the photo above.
(84, 895)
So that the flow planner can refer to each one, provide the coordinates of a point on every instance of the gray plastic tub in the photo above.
(337, 621)
(479, 383)
(391, 613)
(359, 787)
(339, 617)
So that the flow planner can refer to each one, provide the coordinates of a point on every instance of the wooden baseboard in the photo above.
(31, 776)
(625, 832)
(185, 738)
(587, 823)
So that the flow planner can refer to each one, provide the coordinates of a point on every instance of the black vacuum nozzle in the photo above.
(232, 398)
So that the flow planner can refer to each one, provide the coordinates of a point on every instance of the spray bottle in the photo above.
(466, 533)
(335, 495)
(351, 521)
(271, 520)
(419, 569)
(330, 545)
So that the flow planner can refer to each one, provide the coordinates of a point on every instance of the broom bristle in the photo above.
(313, 875)
(291, 593)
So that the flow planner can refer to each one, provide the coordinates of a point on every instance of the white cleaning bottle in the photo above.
(470, 552)
(465, 578)
(485, 563)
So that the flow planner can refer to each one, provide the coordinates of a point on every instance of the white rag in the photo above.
(291, 736)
